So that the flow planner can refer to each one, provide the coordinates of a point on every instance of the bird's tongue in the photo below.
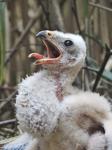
(41, 59)
(36, 55)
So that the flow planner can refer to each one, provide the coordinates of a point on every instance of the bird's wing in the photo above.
(90, 116)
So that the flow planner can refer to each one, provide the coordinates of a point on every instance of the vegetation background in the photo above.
(20, 20)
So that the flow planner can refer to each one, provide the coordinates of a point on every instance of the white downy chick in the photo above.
(46, 107)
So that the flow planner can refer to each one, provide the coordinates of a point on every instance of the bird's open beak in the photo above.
(53, 52)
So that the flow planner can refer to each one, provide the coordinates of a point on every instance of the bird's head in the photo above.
(64, 50)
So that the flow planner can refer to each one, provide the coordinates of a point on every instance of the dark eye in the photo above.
(68, 43)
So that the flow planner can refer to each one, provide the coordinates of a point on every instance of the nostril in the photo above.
(49, 34)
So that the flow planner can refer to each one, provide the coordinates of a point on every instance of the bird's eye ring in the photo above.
(68, 43)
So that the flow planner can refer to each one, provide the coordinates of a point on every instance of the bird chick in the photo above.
(47, 108)
(38, 101)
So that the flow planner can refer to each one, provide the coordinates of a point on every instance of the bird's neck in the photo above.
(63, 80)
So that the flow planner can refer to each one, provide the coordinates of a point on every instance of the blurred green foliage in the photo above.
(85, 7)
(2, 40)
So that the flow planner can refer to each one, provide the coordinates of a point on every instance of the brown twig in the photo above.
(44, 5)
(8, 99)
(90, 69)
(52, 13)
(7, 130)
(7, 122)
(94, 38)
(22, 37)
(100, 6)
(74, 10)
(100, 72)
(4, 88)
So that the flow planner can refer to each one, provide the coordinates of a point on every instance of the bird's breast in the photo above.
(37, 106)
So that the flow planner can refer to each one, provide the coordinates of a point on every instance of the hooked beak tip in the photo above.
(41, 34)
